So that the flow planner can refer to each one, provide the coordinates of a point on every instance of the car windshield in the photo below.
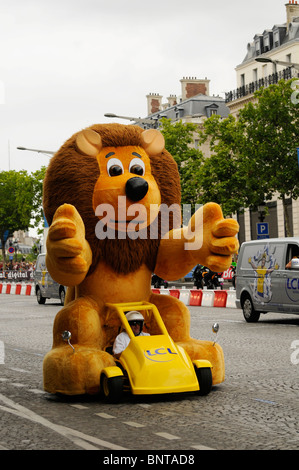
(153, 323)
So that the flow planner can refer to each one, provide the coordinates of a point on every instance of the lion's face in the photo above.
(126, 196)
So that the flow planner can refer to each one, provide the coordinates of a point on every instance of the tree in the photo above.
(37, 215)
(178, 141)
(271, 127)
(20, 202)
(225, 177)
(254, 157)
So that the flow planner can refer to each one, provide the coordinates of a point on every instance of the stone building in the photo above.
(271, 56)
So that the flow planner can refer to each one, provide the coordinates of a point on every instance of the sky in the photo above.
(65, 63)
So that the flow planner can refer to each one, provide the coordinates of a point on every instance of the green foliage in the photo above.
(254, 156)
(179, 138)
(272, 136)
(37, 209)
(222, 178)
(20, 201)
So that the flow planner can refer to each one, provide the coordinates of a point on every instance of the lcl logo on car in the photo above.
(292, 289)
(160, 354)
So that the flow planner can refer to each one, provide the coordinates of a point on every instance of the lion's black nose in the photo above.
(136, 188)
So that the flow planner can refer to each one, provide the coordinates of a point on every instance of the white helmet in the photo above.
(134, 315)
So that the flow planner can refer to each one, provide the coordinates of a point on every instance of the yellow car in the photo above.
(153, 364)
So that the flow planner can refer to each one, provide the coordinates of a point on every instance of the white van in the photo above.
(45, 286)
(263, 282)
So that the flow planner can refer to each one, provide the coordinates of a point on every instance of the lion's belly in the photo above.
(104, 285)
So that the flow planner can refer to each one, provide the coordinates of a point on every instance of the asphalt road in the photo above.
(256, 408)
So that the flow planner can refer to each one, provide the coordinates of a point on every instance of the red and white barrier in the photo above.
(202, 297)
(190, 297)
(17, 289)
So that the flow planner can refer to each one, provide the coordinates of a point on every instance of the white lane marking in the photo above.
(77, 437)
(27, 352)
(80, 407)
(20, 370)
(133, 424)
(85, 445)
(36, 391)
(165, 435)
(200, 447)
(265, 401)
(105, 415)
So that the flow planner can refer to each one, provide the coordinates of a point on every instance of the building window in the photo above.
(211, 110)
(243, 79)
(266, 43)
(254, 75)
(289, 58)
(257, 47)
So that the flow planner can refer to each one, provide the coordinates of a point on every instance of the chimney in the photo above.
(191, 86)
(172, 100)
(292, 11)
(154, 103)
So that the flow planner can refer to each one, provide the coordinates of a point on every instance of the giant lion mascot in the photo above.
(95, 172)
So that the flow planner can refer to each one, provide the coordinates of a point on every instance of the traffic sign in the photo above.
(262, 229)
(11, 250)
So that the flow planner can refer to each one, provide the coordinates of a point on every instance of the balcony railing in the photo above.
(246, 90)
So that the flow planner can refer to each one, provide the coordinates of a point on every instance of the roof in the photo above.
(197, 106)
(285, 36)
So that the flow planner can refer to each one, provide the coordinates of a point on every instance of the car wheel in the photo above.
(204, 377)
(62, 296)
(40, 298)
(112, 388)
(249, 312)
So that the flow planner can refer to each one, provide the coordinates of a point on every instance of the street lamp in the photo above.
(49, 152)
(261, 212)
(129, 118)
(152, 122)
(267, 60)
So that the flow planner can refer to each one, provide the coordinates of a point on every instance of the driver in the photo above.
(136, 321)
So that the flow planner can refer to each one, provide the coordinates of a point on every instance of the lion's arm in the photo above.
(209, 240)
(69, 254)
(173, 262)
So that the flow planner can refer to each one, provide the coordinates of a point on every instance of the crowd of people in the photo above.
(17, 266)
(15, 271)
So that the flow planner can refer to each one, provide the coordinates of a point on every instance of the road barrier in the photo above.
(190, 297)
(202, 297)
(17, 289)
(195, 297)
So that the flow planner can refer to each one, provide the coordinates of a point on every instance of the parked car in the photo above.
(45, 286)
(267, 277)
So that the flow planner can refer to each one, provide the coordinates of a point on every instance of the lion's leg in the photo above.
(176, 317)
(74, 373)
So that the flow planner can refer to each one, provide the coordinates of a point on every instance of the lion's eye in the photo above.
(137, 167)
(115, 167)
(137, 170)
(115, 170)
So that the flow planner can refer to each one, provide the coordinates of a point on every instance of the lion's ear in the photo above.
(89, 142)
(152, 141)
